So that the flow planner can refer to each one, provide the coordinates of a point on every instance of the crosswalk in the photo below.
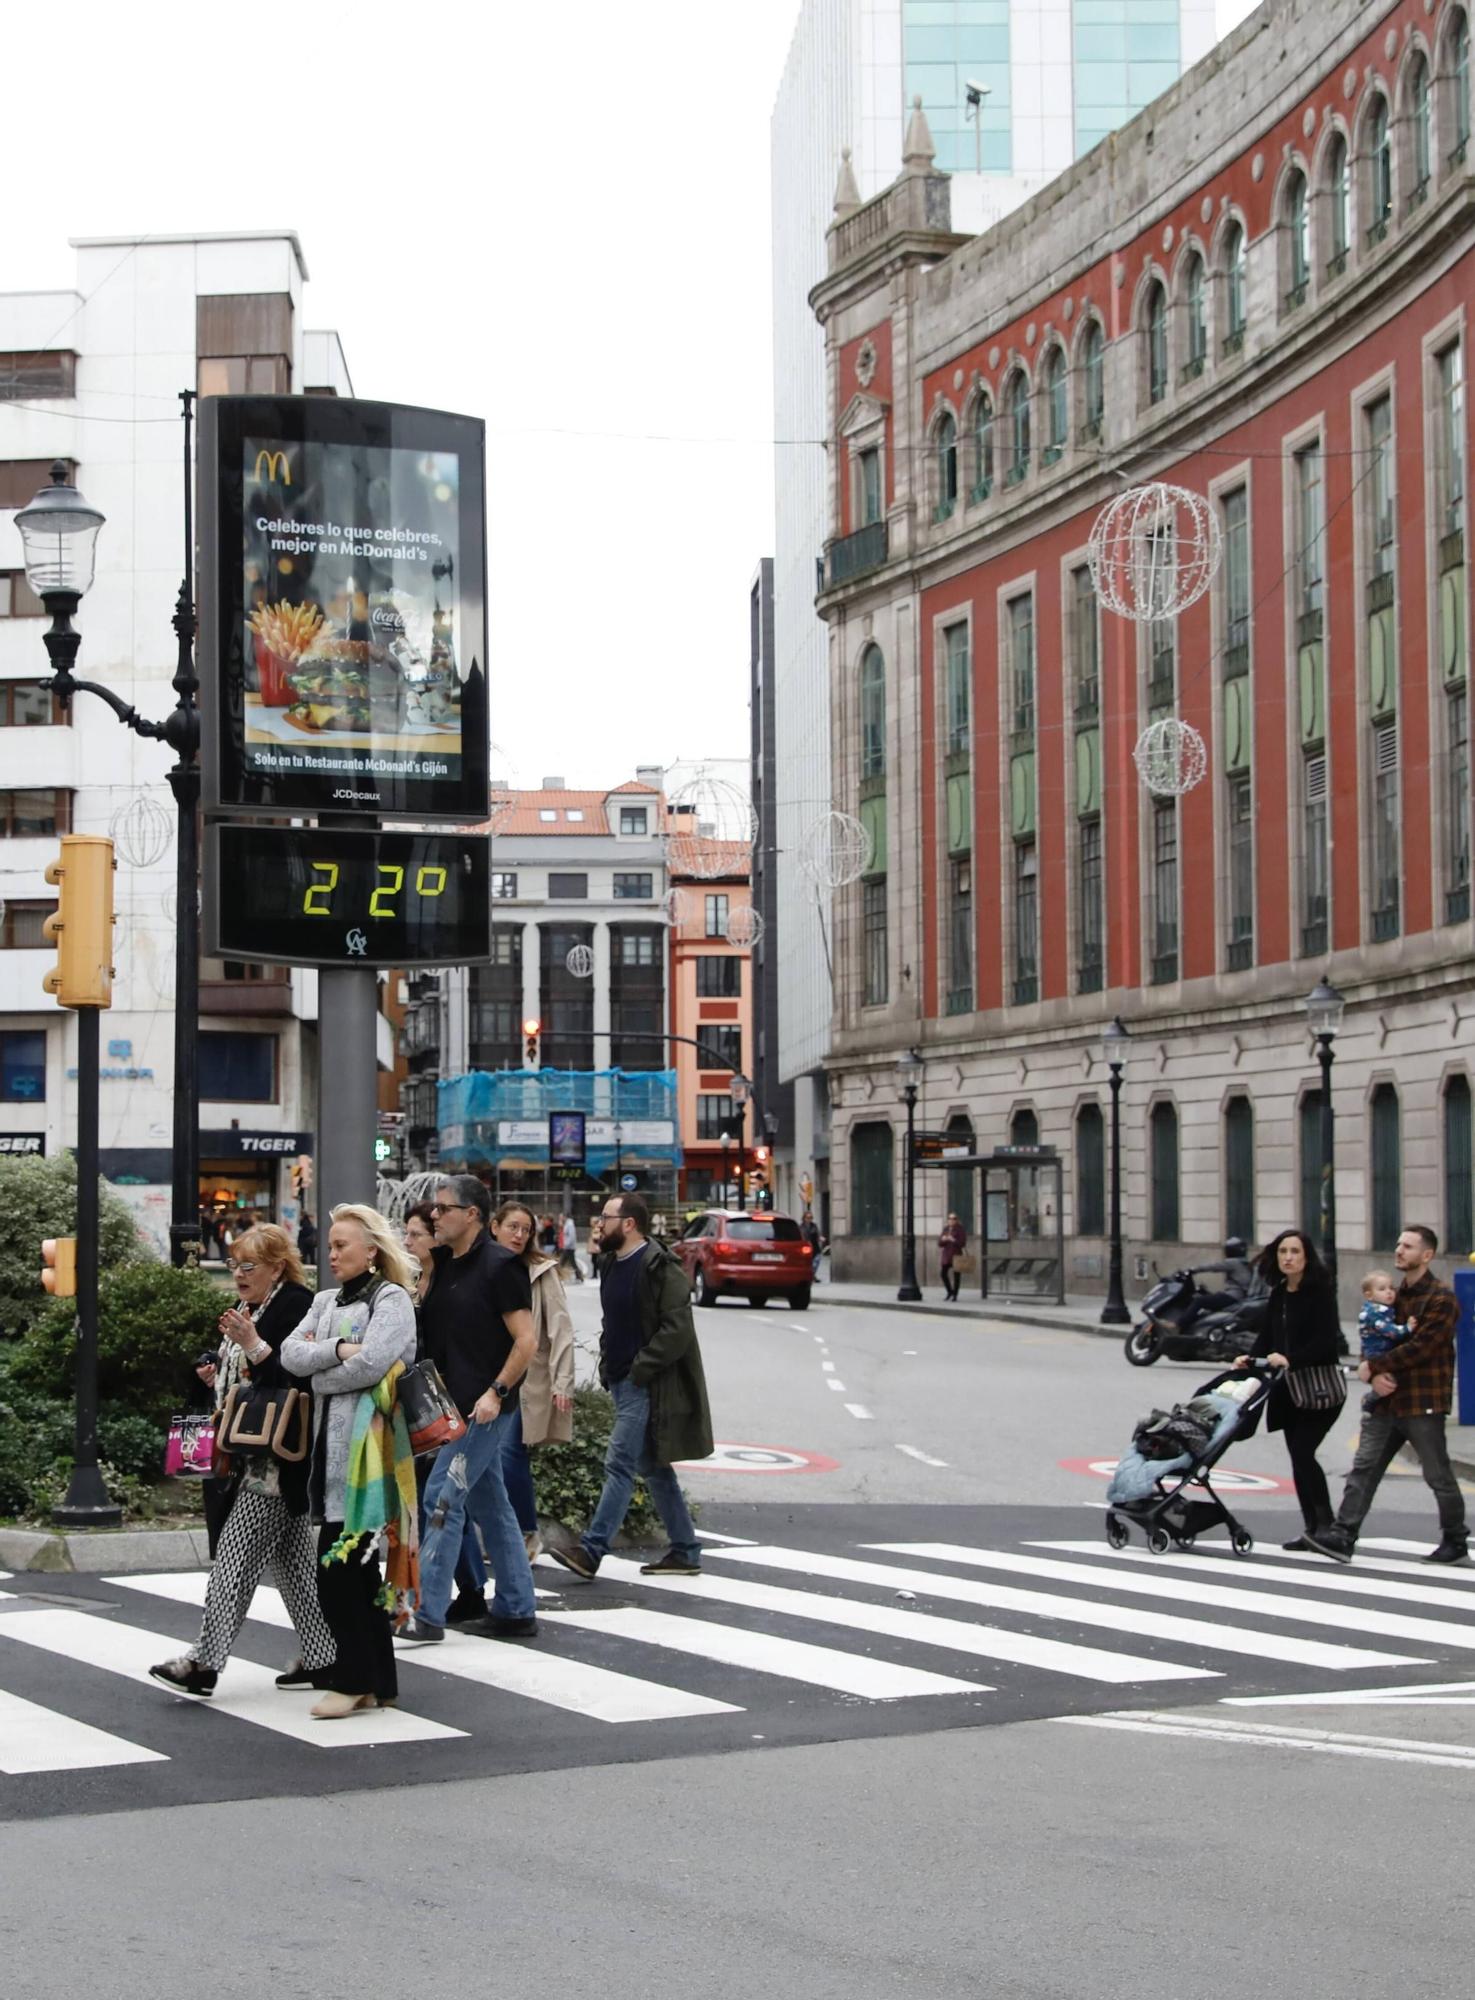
(815, 1642)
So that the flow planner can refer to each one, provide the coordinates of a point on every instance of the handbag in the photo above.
(431, 1417)
(1323, 1387)
(965, 1262)
(190, 1447)
(270, 1418)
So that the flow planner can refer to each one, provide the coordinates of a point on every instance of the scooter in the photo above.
(1184, 1324)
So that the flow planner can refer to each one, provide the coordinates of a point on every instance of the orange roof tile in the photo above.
(520, 812)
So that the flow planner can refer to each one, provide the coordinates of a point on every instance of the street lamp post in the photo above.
(1324, 1009)
(1114, 1047)
(58, 534)
(908, 1075)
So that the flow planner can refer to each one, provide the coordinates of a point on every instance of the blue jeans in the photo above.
(471, 1571)
(466, 1483)
(626, 1460)
(517, 1475)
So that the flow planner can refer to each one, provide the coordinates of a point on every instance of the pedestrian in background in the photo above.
(1414, 1384)
(951, 1244)
(544, 1412)
(307, 1239)
(349, 1344)
(1301, 1334)
(568, 1248)
(650, 1363)
(810, 1231)
(477, 1323)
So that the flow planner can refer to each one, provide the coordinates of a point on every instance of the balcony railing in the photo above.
(960, 1000)
(1418, 194)
(1314, 934)
(1295, 298)
(1380, 591)
(1451, 550)
(1336, 264)
(1240, 954)
(1026, 989)
(982, 488)
(943, 511)
(1164, 968)
(1377, 232)
(1385, 923)
(1017, 472)
(1090, 976)
(1236, 659)
(1309, 627)
(1456, 155)
(1233, 342)
(1090, 430)
(1160, 691)
(1088, 699)
(1192, 368)
(1457, 905)
(1052, 454)
(854, 555)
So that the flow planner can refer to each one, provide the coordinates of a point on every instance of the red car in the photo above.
(756, 1256)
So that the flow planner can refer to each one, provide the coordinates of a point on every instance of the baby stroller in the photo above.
(1159, 1495)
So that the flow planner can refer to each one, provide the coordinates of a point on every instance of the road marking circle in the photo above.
(759, 1458)
(1224, 1477)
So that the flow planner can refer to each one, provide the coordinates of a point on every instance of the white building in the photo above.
(92, 376)
(1059, 75)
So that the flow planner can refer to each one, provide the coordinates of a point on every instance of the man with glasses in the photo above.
(477, 1325)
(650, 1363)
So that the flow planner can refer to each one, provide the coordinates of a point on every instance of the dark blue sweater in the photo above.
(624, 1329)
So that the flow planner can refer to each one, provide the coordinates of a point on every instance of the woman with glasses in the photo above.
(265, 1523)
(544, 1413)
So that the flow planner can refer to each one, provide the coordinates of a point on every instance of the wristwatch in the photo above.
(501, 1390)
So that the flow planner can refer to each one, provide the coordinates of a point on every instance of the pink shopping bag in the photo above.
(191, 1447)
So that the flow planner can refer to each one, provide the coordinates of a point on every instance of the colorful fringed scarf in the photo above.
(379, 1496)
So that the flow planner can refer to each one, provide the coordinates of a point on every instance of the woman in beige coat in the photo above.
(545, 1405)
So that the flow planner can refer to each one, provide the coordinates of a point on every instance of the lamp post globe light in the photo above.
(1324, 1010)
(1114, 1040)
(725, 1142)
(909, 1069)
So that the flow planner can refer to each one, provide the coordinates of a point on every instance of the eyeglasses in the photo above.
(241, 1270)
(447, 1207)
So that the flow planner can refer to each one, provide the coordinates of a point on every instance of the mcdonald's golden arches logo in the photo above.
(273, 465)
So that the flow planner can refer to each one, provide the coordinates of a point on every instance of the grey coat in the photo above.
(386, 1327)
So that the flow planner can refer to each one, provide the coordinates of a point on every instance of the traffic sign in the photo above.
(629, 1183)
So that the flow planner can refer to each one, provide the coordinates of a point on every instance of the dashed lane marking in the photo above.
(859, 1410)
(924, 1457)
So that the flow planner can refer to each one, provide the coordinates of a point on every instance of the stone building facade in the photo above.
(1258, 291)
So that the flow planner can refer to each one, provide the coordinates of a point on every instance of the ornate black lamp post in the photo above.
(1114, 1041)
(1324, 1010)
(59, 534)
(909, 1069)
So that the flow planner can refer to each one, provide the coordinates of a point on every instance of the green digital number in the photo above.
(424, 879)
(323, 889)
(391, 888)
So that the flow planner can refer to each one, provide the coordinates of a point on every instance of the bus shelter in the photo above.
(1019, 1250)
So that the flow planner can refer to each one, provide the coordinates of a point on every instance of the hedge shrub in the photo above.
(568, 1478)
(38, 1198)
(152, 1321)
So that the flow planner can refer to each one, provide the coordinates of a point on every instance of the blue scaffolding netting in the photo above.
(489, 1115)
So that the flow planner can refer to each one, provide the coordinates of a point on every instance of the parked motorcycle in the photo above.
(1184, 1323)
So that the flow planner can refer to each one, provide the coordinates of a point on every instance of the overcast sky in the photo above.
(552, 217)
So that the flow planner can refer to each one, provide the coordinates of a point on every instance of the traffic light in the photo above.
(530, 1031)
(59, 1266)
(81, 926)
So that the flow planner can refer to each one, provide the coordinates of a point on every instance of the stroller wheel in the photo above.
(1243, 1542)
(1116, 1531)
(1160, 1541)
(1186, 1542)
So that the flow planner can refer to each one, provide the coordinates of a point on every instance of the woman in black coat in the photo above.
(266, 1524)
(1301, 1331)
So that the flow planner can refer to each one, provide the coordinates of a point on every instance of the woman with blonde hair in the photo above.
(545, 1411)
(353, 1343)
(264, 1498)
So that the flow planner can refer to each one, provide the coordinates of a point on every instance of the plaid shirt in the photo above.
(1423, 1364)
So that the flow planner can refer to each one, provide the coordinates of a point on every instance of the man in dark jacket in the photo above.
(650, 1363)
(1414, 1382)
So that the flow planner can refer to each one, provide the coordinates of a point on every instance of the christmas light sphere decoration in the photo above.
(142, 831)
(1170, 757)
(706, 821)
(745, 927)
(836, 850)
(676, 908)
(580, 961)
(1154, 551)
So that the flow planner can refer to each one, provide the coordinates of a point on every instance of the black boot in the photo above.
(1452, 1549)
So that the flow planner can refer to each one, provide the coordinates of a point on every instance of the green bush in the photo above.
(152, 1321)
(568, 1478)
(38, 1198)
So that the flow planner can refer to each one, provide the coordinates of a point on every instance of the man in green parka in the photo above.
(650, 1363)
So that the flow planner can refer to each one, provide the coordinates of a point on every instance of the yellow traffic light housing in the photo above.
(59, 1266)
(81, 927)
(530, 1031)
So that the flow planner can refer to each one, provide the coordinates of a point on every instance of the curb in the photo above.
(98, 1551)
(1013, 1314)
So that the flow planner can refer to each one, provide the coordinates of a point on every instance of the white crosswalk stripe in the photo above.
(1235, 1568)
(33, 1738)
(1199, 1632)
(1345, 1617)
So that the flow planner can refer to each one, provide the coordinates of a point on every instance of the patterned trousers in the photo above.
(259, 1534)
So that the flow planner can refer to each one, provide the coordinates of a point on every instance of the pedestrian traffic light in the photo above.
(81, 926)
(59, 1266)
(530, 1031)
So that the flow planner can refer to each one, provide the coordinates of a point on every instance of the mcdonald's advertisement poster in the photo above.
(351, 619)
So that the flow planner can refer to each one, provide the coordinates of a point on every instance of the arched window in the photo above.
(1420, 131)
(1454, 109)
(1297, 214)
(872, 1206)
(1016, 423)
(945, 441)
(983, 446)
(1024, 1128)
(1055, 393)
(1090, 1171)
(1379, 170)
(1239, 1169)
(1163, 1163)
(1093, 380)
(1459, 1169)
(1387, 1169)
(872, 713)
(1234, 288)
(1339, 206)
(1155, 325)
(960, 1180)
(1196, 330)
